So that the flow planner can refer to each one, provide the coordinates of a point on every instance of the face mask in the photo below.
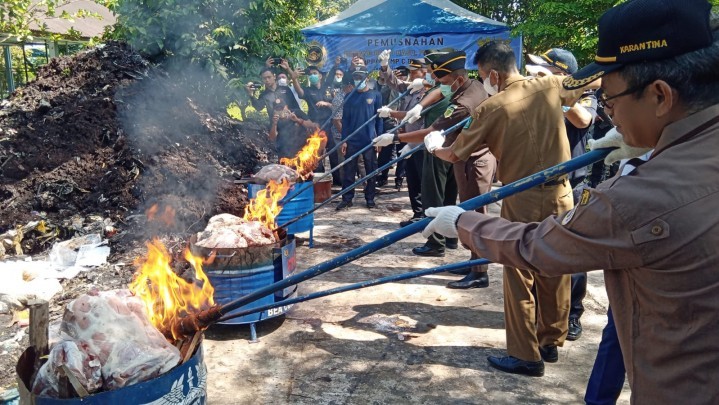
(360, 84)
(446, 90)
(491, 90)
(338, 79)
(282, 82)
(314, 79)
(428, 79)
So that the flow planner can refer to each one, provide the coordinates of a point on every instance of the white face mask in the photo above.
(282, 82)
(491, 90)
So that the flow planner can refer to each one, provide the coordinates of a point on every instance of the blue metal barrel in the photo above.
(185, 384)
(300, 204)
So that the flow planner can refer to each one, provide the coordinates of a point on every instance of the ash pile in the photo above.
(105, 133)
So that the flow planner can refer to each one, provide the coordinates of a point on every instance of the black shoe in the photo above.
(410, 221)
(381, 182)
(549, 353)
(430, 251)
(472, 280)
(452, 243)
(398, 184)
(575, 329)
(343, 205)
(371, 204)
(514, 365)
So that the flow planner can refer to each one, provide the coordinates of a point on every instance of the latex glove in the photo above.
(416, 85)
(384, 112)
(413, 114)
(444, 222)
(384, 57)
(433, 140)
(406, 150)
(383, 140)
(614, 139)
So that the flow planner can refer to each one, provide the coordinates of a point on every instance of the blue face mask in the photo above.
(360, 84)
(314, 78)
(428, 79)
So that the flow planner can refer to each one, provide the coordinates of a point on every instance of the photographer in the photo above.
(289, 129)
(272, 91)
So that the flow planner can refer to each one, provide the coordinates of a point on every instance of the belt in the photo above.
(556, 182)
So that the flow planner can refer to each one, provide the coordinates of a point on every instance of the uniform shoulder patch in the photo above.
(586, 102)
(584, 199)
(449, 111)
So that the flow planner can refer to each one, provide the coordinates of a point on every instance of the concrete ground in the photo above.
(408, 342)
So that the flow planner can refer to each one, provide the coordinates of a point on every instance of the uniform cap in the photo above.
(644, 31)
(557, 57)
(415, 64)
(444, 64)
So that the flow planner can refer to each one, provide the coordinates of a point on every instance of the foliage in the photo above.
(20, 76)
(22, 18)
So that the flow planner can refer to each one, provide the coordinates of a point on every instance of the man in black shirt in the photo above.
(272, 92)
(289, 129)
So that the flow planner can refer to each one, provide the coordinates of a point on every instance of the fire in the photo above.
(167, 217)
(265, 206)
(307, 158)
(166, 295)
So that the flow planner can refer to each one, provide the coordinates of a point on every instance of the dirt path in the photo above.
(408, 342)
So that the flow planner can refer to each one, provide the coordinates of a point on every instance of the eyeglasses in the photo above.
(604, 99)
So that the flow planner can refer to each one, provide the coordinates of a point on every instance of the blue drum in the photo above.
(303, 202)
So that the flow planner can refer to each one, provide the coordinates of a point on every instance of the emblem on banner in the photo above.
(316, 54)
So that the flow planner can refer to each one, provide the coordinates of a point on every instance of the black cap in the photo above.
(444, 64)
(644, 31)
(557, 57)
(415, 64)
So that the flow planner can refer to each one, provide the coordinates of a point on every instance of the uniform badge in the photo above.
(586, 102)
(584, 199)
(370, 101)
(569, 216)
(449, 111)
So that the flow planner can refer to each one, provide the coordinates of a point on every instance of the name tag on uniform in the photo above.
(584, 199)
(568, 217)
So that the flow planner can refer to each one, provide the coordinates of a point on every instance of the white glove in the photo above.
(406, 150)
(433, 140)
(444, 222)
(416, 85)
(383, 140)
(413, 114)
(384, 112)
(613, 139)
(384, 57)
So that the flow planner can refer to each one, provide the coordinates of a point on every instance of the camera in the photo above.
(254, 86)
(276, 61)
(343, 59)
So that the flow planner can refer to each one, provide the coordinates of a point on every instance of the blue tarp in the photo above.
(407, 27)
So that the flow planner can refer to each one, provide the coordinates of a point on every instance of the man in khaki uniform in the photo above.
(523, 125)
(653, 230)
(472, 174)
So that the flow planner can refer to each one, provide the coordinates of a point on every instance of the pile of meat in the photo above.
(107, 342)
(229, 231)
(277, 173)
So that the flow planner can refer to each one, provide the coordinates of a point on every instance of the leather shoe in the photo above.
(410, 221)
(429, 251)
(381, 182)
(472, 280)
(510, 364)
(575, 329)
(549, 353)
(343, 205)
(371, 204)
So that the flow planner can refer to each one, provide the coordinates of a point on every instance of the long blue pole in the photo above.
(392, 237)
(357, 286)
(370, 175)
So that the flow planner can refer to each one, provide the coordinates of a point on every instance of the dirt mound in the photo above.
(104, 132)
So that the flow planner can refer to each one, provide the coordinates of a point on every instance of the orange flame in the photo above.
(265, 206)
(167, 217)
(307, 158)
(166, 295)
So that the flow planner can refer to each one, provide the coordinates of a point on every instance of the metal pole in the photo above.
(472, 204)
(374, 173)
(357, 286)
(8, 69)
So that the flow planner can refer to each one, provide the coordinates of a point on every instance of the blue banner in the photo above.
(323, 49)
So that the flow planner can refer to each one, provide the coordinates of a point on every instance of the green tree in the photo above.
(23, 18)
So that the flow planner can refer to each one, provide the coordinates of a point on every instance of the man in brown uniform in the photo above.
(524, 127)
(474, 173)
(654, 231)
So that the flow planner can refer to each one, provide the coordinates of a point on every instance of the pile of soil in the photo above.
(100, 137)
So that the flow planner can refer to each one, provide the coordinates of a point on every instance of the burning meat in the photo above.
(107, 343)
(229, 231)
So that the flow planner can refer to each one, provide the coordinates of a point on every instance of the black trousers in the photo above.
(348, 176)
(413, 169)
(385, 155)
(439, 188)
(334, 160)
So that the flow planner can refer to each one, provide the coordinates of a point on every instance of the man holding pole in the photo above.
(654, 232)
